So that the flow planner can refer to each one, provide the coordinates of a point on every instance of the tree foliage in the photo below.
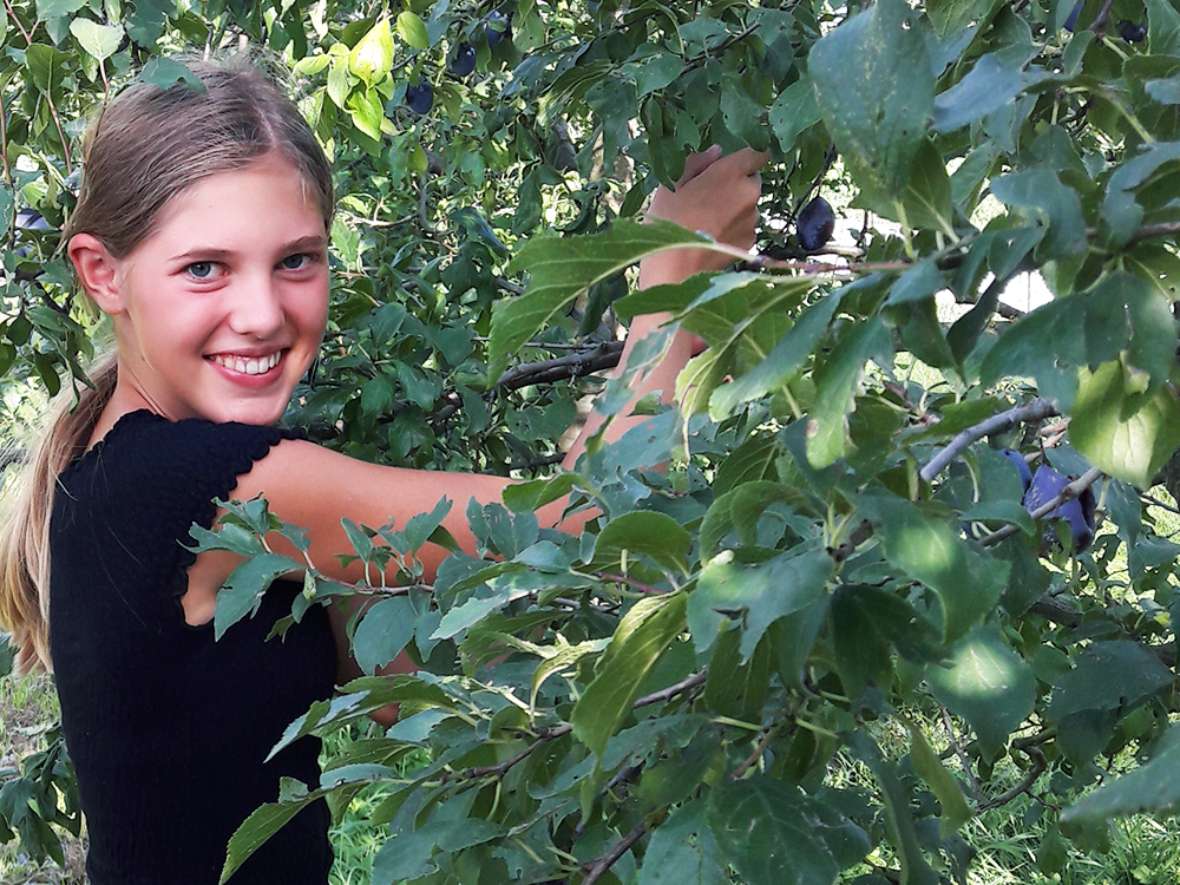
(733, 671)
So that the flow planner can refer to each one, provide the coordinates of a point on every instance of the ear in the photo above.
(98, 272)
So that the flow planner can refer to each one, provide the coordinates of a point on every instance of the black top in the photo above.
(168, 729)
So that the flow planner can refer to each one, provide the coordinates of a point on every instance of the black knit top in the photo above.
(168, 729)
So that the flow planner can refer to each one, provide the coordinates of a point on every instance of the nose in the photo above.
(257, 308)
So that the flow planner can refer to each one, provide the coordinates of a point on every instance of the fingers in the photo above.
(695, 164)
(747, 161)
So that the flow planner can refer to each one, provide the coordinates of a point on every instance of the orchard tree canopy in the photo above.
(899, 553)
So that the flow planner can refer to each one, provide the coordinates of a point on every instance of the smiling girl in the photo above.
(201, 229)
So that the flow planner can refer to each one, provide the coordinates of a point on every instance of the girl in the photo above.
(201, 229)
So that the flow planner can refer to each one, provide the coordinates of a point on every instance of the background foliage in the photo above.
(828, 635)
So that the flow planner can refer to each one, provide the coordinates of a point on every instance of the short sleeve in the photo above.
(198, 461)
(160, 477)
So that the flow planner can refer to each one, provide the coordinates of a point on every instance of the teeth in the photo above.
(252, 366)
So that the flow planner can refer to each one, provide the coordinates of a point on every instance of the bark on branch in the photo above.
(1034, 411)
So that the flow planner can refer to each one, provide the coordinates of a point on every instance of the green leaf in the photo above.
(372, 56)
(536, 493)
(914, 869)
(787, 357)
(955, 811)
(968, 583)
(874, 88)
(1116, 674)
(407, 854)
(638, 642)
(47, 9)
(792, 112)
(994, 80)
(682, 850)
(411, 29)
(1153, 787)
(243, 589)
(836, 383)
(1121, 212)
(1163, 28)
(101, 41)
(146, 24)
(927, 194)
(47, 67)
(1125, 434)
(651, 534)
(166, 73)
(761, 829)
(1042, 197)
(987, 683)
(386, 629)
(760, 593)
(561, 269)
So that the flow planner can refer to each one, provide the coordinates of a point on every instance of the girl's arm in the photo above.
(314, 487)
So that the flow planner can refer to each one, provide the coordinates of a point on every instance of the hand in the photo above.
(716, 195)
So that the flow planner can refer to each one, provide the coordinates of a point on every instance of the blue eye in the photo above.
(202, 270)
(299, 255)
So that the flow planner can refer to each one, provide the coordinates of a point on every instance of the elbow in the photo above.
(386, 715)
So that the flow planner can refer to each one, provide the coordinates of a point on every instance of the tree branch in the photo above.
(603, 864)
(574, 365)
(1030, 778)
(1034, 411)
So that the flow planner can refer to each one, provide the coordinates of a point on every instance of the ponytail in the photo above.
(26, 502)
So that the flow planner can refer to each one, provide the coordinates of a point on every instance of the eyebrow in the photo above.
(315, 241)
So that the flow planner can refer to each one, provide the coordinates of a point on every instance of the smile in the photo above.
(261, 365)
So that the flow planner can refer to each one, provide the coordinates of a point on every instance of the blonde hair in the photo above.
(143, 149)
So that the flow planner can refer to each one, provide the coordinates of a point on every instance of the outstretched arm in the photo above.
(314, 487)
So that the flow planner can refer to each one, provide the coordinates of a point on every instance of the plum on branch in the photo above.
(1132, 32)
(1046, 485)
(420, 97)
(462, 62)
(815, 224)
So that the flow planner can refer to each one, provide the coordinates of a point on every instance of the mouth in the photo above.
(253, 368)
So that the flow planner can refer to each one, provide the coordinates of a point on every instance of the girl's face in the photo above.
(234, 277)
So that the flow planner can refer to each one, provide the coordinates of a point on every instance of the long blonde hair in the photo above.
(143, 149)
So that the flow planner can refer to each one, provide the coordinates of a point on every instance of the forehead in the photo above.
(266, 202)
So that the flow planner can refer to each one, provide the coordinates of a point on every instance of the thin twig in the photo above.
(1030, 778)
(964, 759)
(756, 754)
(603, 864)
(502, 768)
(1034, 411)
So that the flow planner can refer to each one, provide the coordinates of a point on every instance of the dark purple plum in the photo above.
(420, 97)
(30, 219)
(1132, 32)
(815, 224)
(1047, 484)
(462, 62)
(1071, 21)
(497, 27)
(1021, 466)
